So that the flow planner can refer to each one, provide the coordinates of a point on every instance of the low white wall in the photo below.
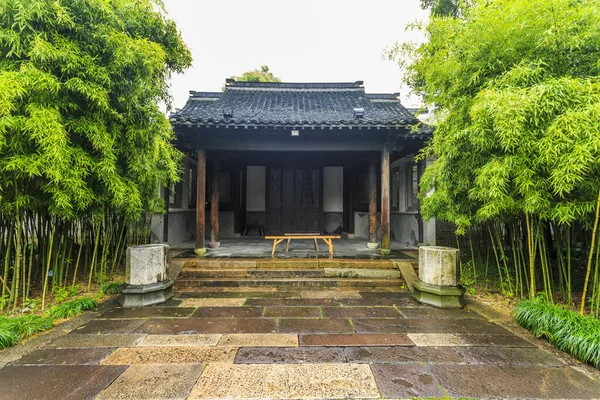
(405, 228)
(361, 225)
(333, 189)
(255, 188)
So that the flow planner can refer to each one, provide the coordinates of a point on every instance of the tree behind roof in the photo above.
(261, 74)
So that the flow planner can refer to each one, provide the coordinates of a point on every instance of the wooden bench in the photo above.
(314, 236)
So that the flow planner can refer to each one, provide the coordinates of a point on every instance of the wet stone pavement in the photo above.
(292, 345)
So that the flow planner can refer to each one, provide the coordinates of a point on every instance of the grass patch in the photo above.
(567, 330)
(7, 338)
(71, 308)
(14, 329)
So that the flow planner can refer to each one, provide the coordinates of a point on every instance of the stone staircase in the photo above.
(287, 274)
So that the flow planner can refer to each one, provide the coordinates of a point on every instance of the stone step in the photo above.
(290, 273)
(292, 263)
(250, 273)
(291, 282)
(292, 292)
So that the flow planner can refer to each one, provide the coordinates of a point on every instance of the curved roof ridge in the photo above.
(205, 95)
(383, 96)
(230, 84)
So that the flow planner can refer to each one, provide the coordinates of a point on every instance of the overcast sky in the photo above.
(301, 41)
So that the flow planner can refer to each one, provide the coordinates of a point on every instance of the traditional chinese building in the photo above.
(278, 158)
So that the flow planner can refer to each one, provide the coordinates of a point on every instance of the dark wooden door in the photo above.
(294, 201)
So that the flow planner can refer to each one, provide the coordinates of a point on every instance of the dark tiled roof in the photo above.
(293, 104)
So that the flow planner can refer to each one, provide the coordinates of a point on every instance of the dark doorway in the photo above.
(294, 201)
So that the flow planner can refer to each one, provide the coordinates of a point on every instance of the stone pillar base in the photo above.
(145, 295)
(372, 246)
(439, 296)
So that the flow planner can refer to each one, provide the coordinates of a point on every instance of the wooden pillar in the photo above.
(200, 202)
(385, 200)
(214, 204)
(372, 203)
(166, 217)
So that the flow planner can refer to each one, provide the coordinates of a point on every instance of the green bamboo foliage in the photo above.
(83, 141)
(517, 142)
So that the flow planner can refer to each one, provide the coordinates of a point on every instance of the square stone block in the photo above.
(439, 265)
(147, 264)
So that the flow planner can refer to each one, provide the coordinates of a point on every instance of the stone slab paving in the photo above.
(180, 340)
(321, 381)
(259, 339)
(361, 339)
(68, 382)
(65, 357)
(93, 340)
(213, 302)
(269, 344)
(397, 381)
(228, 312)
(149, 312)
(154, 382)
(170, 355)
(293, 312)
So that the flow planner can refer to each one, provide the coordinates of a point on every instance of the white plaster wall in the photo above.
(182, 226)
(255, 189)
(361, 225)
(157, 228)
(429, 226)
(333, 189)
(405, 228)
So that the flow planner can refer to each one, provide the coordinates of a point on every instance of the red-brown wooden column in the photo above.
(385, 200)
(200, 202)
(214, 205)
(372, 205)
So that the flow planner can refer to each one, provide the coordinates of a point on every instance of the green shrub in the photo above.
(62, 293)
(111, 288)
(569, 331)
(71, 308)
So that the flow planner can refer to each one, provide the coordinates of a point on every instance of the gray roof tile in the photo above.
(295, 104)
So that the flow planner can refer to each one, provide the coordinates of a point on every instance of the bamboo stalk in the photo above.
(590, 256)
(92, 265)
(531, 248)
(45, 287)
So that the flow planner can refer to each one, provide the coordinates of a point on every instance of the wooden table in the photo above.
(314, 236)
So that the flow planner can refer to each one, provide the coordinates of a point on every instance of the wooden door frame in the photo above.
(282, 165)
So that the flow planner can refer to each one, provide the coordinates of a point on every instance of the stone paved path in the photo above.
(291, 345)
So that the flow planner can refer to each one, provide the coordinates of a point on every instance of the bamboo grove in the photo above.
(83, 141)
(516, 90)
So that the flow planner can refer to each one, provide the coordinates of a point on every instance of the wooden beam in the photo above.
(200, 202)
(385, 200)
(372, 203)
(214, 202)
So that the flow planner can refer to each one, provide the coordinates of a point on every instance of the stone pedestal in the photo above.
(438, 284)
(147, 281)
